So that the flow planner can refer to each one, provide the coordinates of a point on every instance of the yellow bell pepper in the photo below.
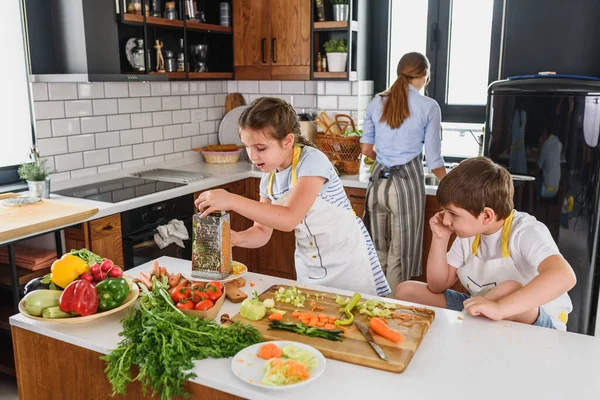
(67, 269)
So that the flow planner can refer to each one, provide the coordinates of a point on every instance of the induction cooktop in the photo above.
(117, 190)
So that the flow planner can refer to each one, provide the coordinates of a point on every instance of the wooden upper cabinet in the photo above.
(271, 39)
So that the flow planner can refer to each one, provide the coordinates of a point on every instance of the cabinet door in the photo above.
(77, 237)
(290, 39)
(357, 198)
(106, 238)
(251, 39)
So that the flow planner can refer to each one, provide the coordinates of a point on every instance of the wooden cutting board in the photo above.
(354, 349)
(234, 100)
(20, 221)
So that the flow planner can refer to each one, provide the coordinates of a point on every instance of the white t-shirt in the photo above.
(529, 243)
(549, 161)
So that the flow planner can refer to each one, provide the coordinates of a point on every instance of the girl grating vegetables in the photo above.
(300, 191)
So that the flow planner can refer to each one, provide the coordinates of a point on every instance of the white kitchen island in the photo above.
(461, 357)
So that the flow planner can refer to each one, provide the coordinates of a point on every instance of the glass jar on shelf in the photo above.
(170, 61)
(170, 10)
(138, 56)
(134, 7)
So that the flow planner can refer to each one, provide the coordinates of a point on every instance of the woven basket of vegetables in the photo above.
(339, 143)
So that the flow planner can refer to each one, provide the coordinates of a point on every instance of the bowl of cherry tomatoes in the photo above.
(200, 299)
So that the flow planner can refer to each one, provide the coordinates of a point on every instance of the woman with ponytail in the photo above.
(398, 122)
(300, 192)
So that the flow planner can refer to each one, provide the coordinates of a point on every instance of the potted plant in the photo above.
(36, 174)
(340, 10)
(337, 54)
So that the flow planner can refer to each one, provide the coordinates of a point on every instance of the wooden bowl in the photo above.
(131, 298)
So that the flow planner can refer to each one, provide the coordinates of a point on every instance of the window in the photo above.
(15, 110)
(462, 39)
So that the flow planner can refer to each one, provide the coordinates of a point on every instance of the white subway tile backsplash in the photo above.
(50, 147)
(131, 137)
(172, 131)
(208, 127)
(141, 120)
(139, 89)
(253, 97)
(199, 141)
(78, 108)
(43, 129)
(310, 87)
(292, 87)
(49, 109)
(62, 176)
(105, 106)
(50, 163)
(96, 157)
(305, 101)
(207, 100)
(220, 100)
(189, 102)
(162, 118)
(62, 91)
(197, 87)
(153, 134)
(232, 86)
(160, 88)
(321, 87)
(164, 147)
(67, 162)
(181, 116)
(118, 154)
(117, 89)
(199, 115)
(327, 102)
(348, 102)
(143, 150)
(118, 122)
(134, 163)
(40, 91)
(80, 173)
(341, 88)
(171, 103)
(107, 139)
(182, 144)
(151, 104)
(214, 87)
(65, 127)
(174, 156)
(154, 160)
(248, 86)
(102, 169)
(285, 97)
(270, 87)
(192, 129)
(91, 90)
(180, 88)
(213, 139)
(128, 106)
(93, 124)
(355, 88)
(81, 143)
(214, 113)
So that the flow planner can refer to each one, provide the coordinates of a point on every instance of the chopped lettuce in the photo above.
(293, 369)
(294, 353)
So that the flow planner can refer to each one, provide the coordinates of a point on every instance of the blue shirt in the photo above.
(401, 145)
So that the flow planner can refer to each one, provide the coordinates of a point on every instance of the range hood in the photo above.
(76, 41)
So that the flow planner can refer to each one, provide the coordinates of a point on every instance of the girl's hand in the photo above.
(213, 200)
(439, 230)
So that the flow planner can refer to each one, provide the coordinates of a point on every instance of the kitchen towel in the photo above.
(173, 232)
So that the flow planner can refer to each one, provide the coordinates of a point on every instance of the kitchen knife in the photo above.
(367, 334)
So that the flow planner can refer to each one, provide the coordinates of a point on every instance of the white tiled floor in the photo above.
(8, 388)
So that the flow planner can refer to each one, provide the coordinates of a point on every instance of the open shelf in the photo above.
(24, 275)
(171, 75)
(197, 26)
(164, 22)
(134, 18)
(335, 25)
(210, 75)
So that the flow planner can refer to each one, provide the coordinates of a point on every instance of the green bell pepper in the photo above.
(112, 292)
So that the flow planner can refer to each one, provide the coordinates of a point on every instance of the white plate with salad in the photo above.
(278, 364)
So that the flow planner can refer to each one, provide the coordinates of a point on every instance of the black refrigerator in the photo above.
(545, 131)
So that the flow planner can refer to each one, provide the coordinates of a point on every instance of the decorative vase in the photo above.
(336, 62)
(37, 189)
(340, 12)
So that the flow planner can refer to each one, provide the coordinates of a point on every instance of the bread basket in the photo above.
(221, 157)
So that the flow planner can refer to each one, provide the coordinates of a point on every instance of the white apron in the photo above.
(331, 247)
(479, 277)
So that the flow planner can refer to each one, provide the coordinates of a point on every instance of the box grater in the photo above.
(211, 250)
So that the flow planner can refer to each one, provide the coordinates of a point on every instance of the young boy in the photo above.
(506, 259)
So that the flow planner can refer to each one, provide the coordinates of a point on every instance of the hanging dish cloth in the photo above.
(173, 232)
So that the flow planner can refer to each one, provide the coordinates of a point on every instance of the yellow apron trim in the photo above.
(295, 160)
(563, 317)
(505, 234)
(550, 188)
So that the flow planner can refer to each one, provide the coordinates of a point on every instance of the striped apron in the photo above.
(395, 214)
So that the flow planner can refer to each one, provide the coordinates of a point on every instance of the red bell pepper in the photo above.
(79, 297)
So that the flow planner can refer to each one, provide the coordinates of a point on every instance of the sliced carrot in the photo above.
(268, 351)
(275, 317)
(332, 319)
(321, 316)
(320, 324)
(381, 328)
(318, 308)
(295, 314)
(312, 322)
(329, 327)
(305, 321)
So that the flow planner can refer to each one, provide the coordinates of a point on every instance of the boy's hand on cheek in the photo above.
(439, 230)
(481, 306)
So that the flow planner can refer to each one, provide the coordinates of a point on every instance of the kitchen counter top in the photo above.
(460, 355)
(219, 174)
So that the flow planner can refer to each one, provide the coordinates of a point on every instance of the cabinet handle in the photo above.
(353, 196)
(262, 50)
(108, 228)
(273, 57)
